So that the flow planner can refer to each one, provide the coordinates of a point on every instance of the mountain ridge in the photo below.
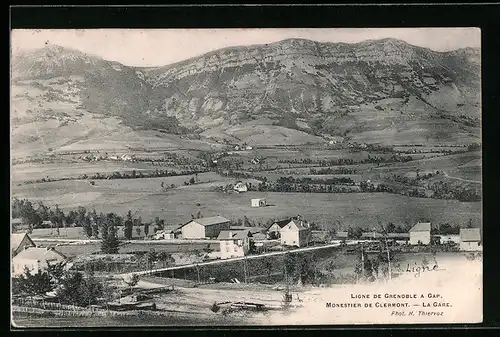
(353, 91)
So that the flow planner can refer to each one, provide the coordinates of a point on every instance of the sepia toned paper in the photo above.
(228, 177)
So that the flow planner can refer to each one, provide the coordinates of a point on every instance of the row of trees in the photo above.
(329, 170)
(348, 161)
(122, 175)
(73, 288)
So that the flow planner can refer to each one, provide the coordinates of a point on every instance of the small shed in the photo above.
(260, 202)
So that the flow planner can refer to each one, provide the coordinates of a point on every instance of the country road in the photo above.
(194, 265)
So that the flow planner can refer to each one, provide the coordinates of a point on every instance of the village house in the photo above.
(164, 234)
(234, 243)
(470, 239)
(20, 241)
(240, 187)
(35, 259)
(273, 231)
(420, 233)
(259, 202)
(204, 227)
(295, 233)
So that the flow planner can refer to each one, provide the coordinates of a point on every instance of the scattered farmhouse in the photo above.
(36, 259)
(204, 227)
(420, 233)
(234, 243)
(20, 241)
(273, 231)
(260, 202)
(295, 234)
(240, 187)
(470, 239)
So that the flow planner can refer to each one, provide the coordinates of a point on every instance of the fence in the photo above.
(87, 312)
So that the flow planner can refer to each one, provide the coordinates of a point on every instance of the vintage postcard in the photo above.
(227, 177)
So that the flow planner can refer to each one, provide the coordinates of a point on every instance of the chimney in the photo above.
(230, 234)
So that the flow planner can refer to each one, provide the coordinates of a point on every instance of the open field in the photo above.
(176, 205)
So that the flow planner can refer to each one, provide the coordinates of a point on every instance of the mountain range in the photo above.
(291, 91)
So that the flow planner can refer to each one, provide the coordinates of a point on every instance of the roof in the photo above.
(16, 221)
(251, 229)
(281, 223)
(210, 221)
(16, 239)
(40, 254)
(258, 199)
(44, 222)
(233, 235)
(297, 224)
(421, 227)
(470, 234)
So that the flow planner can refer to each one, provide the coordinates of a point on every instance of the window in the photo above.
(235, 249)
(227, 249)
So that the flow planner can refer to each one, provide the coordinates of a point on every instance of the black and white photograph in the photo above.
(245, 177)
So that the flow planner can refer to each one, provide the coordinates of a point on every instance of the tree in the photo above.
(110, 243)
(354, 233)
(132, 281)
(32, 284)
(166, 258)
(390, 228)
(159, 224)
(191, 181)
(146, 229)
(129, 224)
(80, 290)
(198, 215)
(151, 257)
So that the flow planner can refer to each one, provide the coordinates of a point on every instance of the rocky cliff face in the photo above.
(300, 84)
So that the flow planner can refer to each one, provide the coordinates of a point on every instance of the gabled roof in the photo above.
(210, 221)
(421, 227)
(40, 254)
(294, 225)
(17, 238)
(281, 223)
(470, 234)
(234, 235)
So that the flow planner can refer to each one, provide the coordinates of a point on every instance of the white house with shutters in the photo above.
(234, 243)
(295, 233)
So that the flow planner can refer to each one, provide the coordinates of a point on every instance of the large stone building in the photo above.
(205, 228)
(420, 234)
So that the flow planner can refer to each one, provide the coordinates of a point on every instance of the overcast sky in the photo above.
(157, 47)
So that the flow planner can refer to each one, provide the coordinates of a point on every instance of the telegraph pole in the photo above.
(388, 259)
(198, 272)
